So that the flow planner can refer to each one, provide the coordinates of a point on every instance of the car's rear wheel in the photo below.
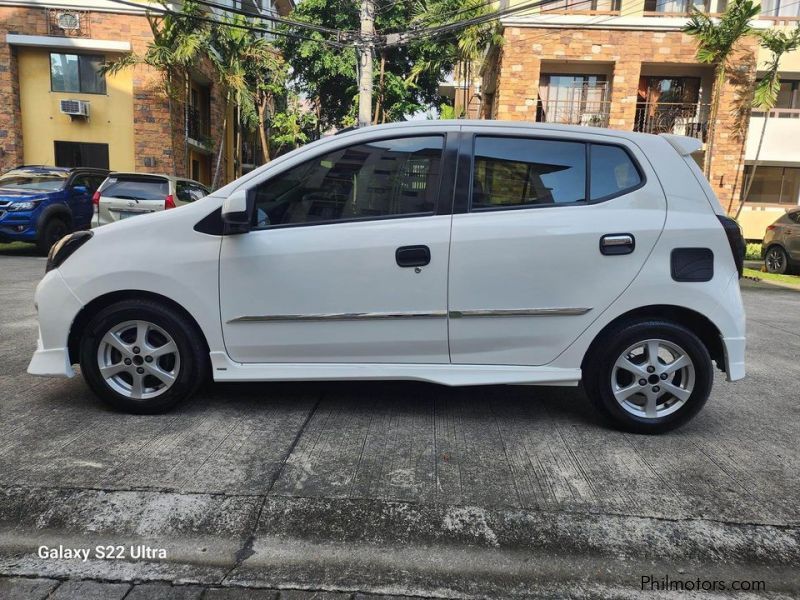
(649, 376)
(776, 260)
(52, 231)
(142, 357)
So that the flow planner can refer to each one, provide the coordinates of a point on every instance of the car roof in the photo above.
(162, 175)
(50, 169)
(490, 123)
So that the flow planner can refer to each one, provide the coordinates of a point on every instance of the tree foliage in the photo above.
(406, 76)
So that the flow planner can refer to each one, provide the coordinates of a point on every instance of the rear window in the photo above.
(130, 188)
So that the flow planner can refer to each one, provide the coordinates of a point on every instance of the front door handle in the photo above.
(412, 256)
(617, 243)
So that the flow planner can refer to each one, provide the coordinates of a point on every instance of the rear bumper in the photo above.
(53, 362)
(734, 357)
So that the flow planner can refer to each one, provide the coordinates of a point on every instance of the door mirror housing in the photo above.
(237, 212)
(80, 190)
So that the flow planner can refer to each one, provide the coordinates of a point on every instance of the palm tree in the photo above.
(236, 53)
(470, 45)
(716, 43)
(178, 41)
(766, 92)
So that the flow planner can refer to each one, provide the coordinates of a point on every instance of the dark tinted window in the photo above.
(376, 179)
(81, 154)
(77, 73)
(183, 191)
(513, 172)
(150, 188)
(612, 171)
(90, 182)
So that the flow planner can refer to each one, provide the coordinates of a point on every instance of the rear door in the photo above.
(549, 231)
(125, 196)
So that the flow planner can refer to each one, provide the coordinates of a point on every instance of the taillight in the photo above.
(96, 198)
(169, 202)
(735, 240)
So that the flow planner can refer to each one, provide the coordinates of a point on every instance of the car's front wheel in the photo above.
(142, 357)
(649, 376)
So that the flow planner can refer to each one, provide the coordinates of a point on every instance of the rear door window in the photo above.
(136, 188)
(521, 172)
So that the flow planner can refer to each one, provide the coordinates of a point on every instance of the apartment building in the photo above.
(626, 64)
(57, 108)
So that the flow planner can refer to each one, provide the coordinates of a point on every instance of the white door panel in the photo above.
(525, 282)
(290, 294)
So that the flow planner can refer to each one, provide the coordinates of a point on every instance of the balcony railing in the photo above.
(680, 118)
(199, 128)
(592, 113)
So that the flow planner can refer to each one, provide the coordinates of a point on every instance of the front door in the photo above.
(546, 243)
(347, 259)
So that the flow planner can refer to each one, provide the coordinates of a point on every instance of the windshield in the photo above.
(46, 181)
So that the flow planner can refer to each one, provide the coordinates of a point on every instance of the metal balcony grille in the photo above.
(680, 118)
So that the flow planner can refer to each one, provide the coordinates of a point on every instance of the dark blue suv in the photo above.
(40, 204)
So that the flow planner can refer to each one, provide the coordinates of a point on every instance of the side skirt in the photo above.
(446, 374)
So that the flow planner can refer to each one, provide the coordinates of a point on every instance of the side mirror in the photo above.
(237, 212)
(80, 190)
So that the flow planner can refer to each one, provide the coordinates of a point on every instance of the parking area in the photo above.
(397, 488)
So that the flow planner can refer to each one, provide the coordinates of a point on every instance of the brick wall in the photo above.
(158, 116)
(513, 81)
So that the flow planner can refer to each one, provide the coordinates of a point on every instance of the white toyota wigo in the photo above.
(461, 253)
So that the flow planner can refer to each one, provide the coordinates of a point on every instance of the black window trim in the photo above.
(80, 91)
(470, 148)
(448, 139)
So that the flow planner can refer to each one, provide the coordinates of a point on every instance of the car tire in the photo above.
(53, 230)
(637, 395)
(142, 357)
(776, 260)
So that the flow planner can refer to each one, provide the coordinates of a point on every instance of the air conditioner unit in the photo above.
(75, 108)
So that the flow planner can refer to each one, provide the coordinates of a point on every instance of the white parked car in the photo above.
(124, 195)
(461, 253)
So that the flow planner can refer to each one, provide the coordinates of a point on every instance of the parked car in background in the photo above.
(455, 252)
(41, 204)
(781, 246)
(125, 195)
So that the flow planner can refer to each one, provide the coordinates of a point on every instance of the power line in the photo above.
(166, 11)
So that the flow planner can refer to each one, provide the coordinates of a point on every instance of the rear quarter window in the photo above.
(136, 189)
(612, 172)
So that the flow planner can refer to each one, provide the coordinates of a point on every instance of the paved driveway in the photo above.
(397, 488)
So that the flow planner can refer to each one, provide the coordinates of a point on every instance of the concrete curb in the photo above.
(380, 547)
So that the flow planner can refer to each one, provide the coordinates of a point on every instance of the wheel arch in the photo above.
(696, 322)
(92, 308)
(54, 210)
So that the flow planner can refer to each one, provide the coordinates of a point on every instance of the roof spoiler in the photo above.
(684, 144)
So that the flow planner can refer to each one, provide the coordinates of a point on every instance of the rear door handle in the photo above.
(412, 256)
(617, 243)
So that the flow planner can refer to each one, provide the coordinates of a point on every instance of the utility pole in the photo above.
(365, 43)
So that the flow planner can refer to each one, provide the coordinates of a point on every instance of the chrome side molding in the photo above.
(519, 312)
(438, 314)
(341, 317)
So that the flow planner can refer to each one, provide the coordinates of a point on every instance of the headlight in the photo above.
(64, 248)
(19, 206)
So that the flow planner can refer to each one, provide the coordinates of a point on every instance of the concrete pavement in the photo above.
(398, 488)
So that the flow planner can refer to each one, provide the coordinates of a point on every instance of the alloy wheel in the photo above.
(653, 378)
(775, 260)
(138, 359)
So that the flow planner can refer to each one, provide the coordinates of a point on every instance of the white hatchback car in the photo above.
(461, 253)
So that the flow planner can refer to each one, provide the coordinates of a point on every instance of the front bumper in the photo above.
(17, 226)
(57, 308)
